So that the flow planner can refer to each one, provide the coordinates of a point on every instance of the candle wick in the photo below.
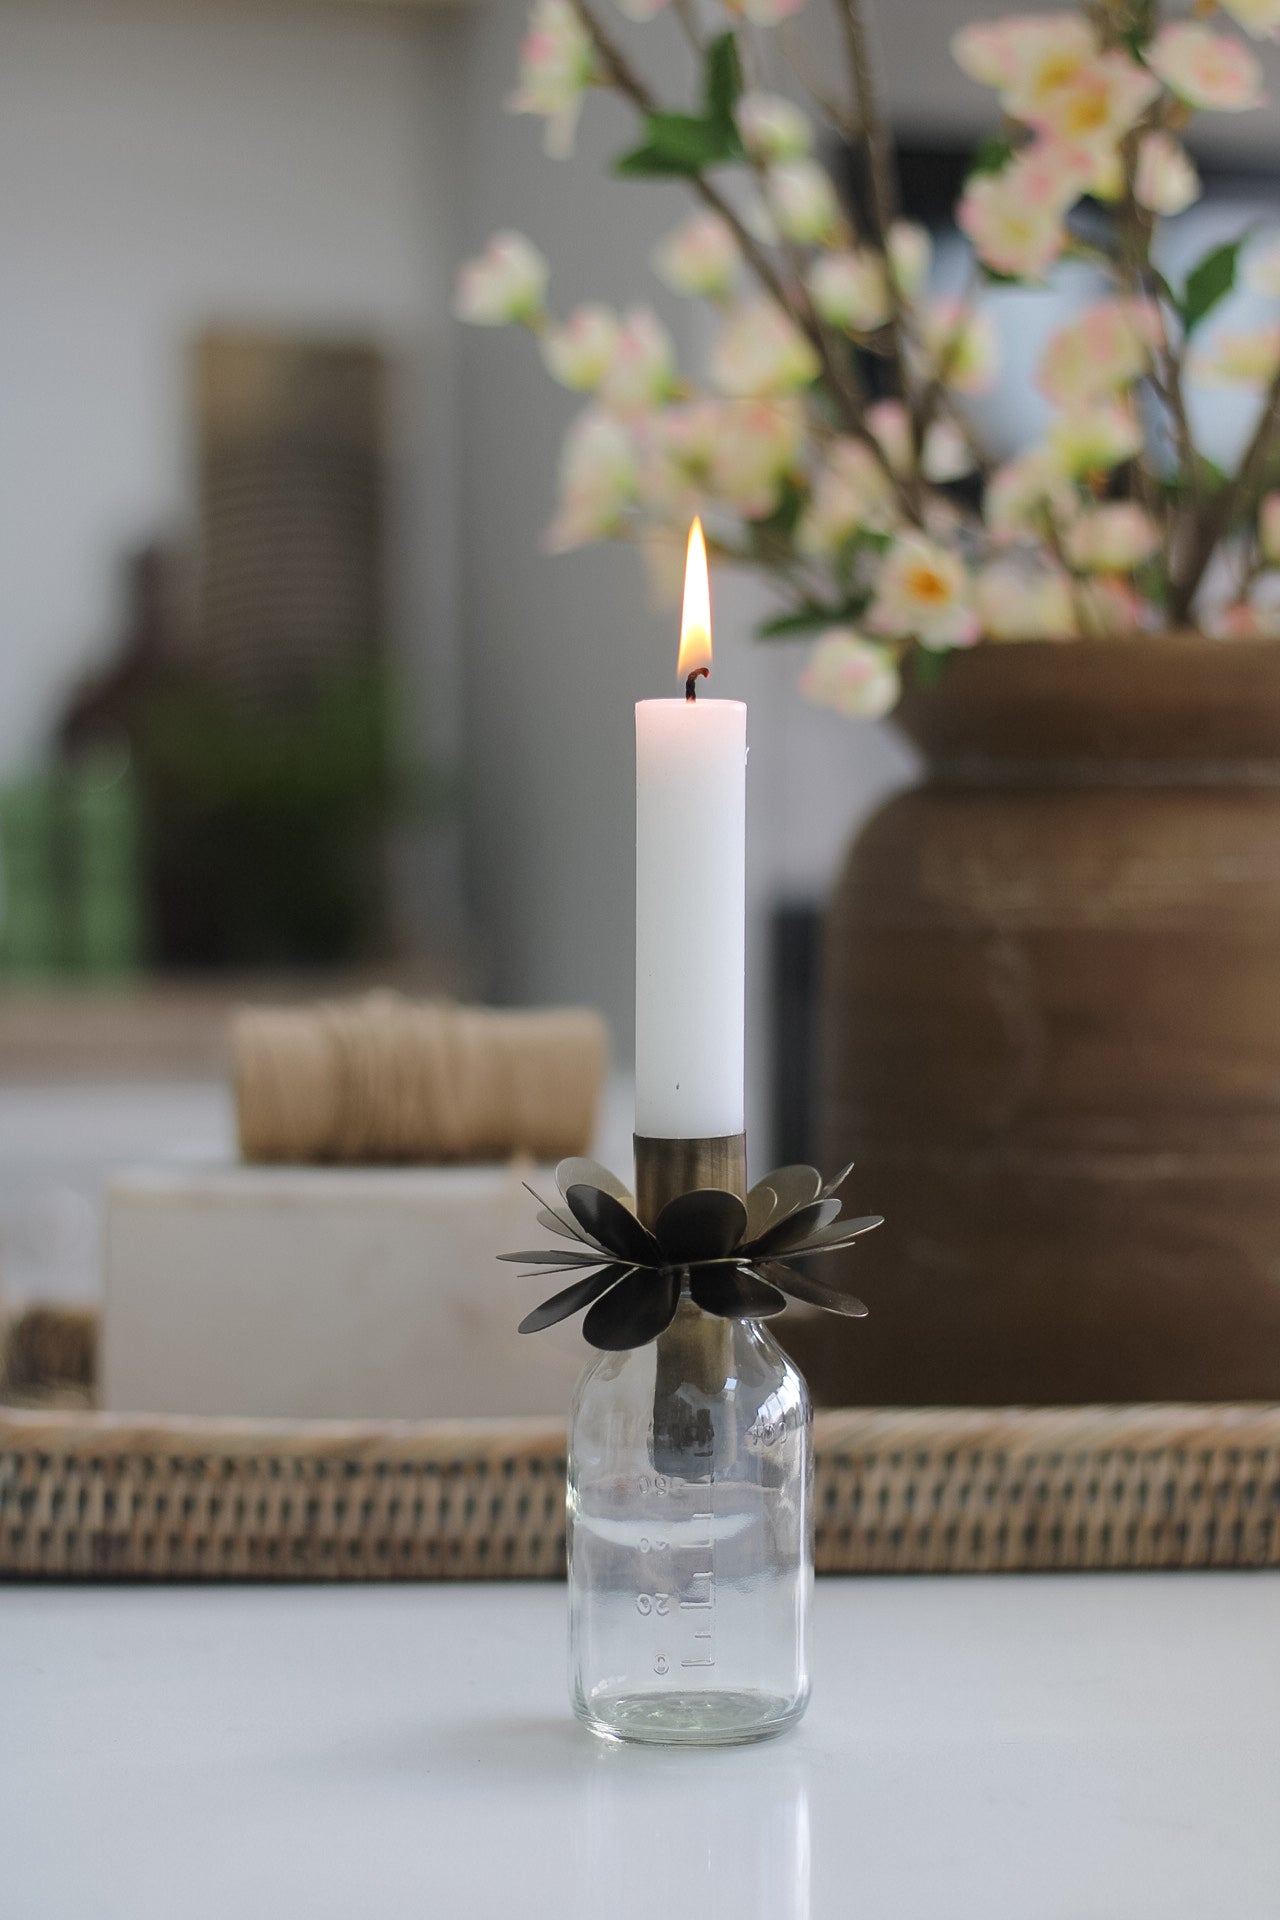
(691, 684)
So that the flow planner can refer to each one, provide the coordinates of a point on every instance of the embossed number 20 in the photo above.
(653, 1603)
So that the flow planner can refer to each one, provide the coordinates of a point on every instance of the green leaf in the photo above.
(680, 143)
(993, 155)
(1209, 282)
(807, 619)
(928, 665)
(722, 80)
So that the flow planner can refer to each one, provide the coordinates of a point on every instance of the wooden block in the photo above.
(315, 1292)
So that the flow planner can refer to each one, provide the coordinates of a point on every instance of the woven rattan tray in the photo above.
(90, 1497)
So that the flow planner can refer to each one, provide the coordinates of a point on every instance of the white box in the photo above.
(318, 1292)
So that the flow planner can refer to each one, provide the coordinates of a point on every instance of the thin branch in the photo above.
(1216, 520)
(882, 194)
(831, 105)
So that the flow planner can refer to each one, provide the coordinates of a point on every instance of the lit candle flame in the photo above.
(695, 616)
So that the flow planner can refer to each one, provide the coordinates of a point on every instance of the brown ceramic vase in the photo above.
(1051, 1035)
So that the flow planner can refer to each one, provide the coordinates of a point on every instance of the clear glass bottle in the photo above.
(690, 1532)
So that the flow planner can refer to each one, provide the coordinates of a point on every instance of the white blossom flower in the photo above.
(1206, 69)
(910, 257)
(802, 201)
(1014, 218)
(924, 593)
(851, 674)
(557, 65)
(1115, 537)
(641, 373)
(699, 257)
(1261, 18)
(507, 283)
(1025, 603)
(762, 353)
(1102, 351)
(1089, 440)
(960, 345)
(850, 290)
(599, 480)
(773, 127)
(1023, 493)
(1165, 180)
(1247, 357)
(580, 353)
(852, 493)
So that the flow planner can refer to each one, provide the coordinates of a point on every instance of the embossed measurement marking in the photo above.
(706, 1657)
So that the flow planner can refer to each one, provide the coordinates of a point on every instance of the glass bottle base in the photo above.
(690, 1719)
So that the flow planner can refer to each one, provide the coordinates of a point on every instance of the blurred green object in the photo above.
(266, 829)
(70, 878)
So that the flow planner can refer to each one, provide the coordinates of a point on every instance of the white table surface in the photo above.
(1073, 1748)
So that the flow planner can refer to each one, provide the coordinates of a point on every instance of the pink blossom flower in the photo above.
(738, 452)
(678, 450)
(1014, 218)
(1261, 18)
(1204, 68)
(580, 353)
(960, 345)
(557, 65)
(1269, 529)
(699, 257)
(762, 353)
(852, 675)
(910, 256)
(850, 290)
(1106, 348)
(1027, 57)
(773, 127)
(758, 444)
(1024, 493)
(1097, 106)
(852, 494)
(1091, 440)
(1247, 358)
(599, 480)
(1021, 603)
(1113, 538)
(924, 593)
(641, 373)
(1165, 181)
(802, 201)
(507, 283)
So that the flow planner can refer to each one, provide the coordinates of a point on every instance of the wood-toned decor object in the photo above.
(291, 436)
(91, 1498)
(1051, 1035)
(387, 1079)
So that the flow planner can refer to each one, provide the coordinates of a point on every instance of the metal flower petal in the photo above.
(613, 1225)
(735, 1294)
(731, 1254)
(814, 1293)
(634, 1312)
(706, 1225)
(572, 1299)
